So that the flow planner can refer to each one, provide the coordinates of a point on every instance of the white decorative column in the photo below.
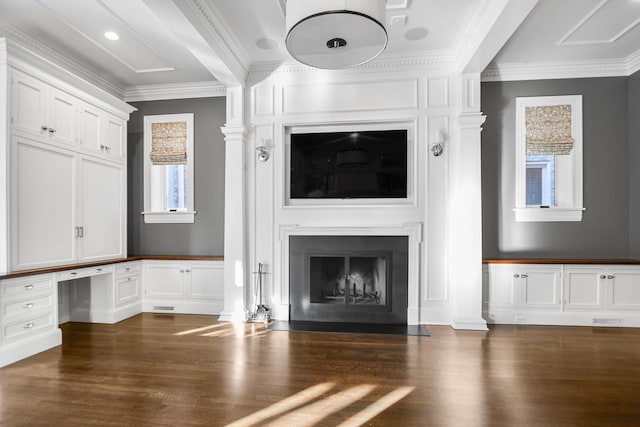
(235, 238)
(465, 212)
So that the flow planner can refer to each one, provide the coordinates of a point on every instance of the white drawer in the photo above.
(25, 287)
(78, 273)
(127, 269)
(25, 328)
(24, 307)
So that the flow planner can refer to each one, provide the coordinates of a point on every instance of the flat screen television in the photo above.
(345, 165)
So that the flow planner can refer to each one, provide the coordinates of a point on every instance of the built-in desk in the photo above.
(33, 303)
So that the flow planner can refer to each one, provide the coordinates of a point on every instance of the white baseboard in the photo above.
(28, 347)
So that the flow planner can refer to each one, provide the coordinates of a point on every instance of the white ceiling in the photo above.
(179, 42)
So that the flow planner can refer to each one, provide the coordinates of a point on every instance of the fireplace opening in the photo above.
(348, 280)
(360, 279)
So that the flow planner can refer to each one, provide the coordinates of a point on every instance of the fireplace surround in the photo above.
(349, 278)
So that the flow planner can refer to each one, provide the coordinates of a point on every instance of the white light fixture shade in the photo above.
(335, 34)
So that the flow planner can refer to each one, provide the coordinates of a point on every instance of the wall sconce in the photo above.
(263, 153)
(437, 148)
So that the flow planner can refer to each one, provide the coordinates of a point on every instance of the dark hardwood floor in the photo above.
(185, 370)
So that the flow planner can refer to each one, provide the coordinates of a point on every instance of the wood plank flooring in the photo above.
(186, 370)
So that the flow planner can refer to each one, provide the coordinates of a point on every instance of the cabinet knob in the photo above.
(187, 271)
(28, 305)
(28, 287)
(73, 273)
(43, 127)
(52, 131)
(181, 270)
(516, 276)
(524, 276)
(611, 276)
(602, 276)
(98, 269)
(28, 325)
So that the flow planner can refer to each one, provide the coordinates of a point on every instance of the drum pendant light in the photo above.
(335, 34)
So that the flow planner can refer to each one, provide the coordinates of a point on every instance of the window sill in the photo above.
(169, 217)
(548, 214)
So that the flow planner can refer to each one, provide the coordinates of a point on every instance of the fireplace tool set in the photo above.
(259, 313)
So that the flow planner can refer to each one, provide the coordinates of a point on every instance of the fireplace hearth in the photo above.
(360, 279)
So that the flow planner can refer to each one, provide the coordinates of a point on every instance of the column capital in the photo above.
(471, 120)
(233, 131)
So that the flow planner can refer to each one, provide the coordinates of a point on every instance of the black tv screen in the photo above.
(344, 165)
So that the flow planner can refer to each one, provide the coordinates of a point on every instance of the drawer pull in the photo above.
(73, 273)
(28, 287)
(127, 269)
(602, 276)
(28, 325)
(28, 305)
(98, 269)
(128, 279)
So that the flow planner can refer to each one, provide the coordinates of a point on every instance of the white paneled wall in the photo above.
(425, 101)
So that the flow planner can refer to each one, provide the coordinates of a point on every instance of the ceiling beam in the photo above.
(490, 29)
(195, 24)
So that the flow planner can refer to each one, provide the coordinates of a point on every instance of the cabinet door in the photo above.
(116, 137)
(43, 182)
(500, 285)
(540, 287)
(101, 210)
(91, 135)
(625, 290)
(29, 97)
(205, 281)
(583, 288)
(164, 280)
(127, 290)
(63, 117)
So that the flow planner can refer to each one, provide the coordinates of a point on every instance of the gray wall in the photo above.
(206, 235)
(634, 169)
(604, 230)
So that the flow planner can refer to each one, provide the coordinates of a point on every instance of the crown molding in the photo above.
(556, 70)
(59, 58)
(427, 61)
(174, 91)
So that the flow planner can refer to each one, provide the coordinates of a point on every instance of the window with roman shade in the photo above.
(168, 169)
(548, 158)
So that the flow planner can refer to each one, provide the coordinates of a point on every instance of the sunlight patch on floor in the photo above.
(312, 405)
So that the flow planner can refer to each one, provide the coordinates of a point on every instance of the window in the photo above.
(549, 158)
(168, 169)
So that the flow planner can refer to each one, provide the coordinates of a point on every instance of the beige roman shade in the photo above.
(548, 130)
(169, 143)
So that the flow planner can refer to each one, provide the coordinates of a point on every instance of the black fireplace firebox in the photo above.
(359, 279)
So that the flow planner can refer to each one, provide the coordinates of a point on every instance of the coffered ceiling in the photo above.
(181, 42)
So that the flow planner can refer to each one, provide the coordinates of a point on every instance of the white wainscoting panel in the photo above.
(437, 92)
(358, 96)
(263, 100)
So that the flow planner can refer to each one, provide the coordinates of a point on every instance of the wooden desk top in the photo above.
(109, 261)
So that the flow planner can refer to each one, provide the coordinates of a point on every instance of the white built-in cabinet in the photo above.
(183, 286)
(562, 294)
(67, 180)
(28, 316)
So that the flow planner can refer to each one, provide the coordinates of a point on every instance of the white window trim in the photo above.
(154, 214)
(569, 186)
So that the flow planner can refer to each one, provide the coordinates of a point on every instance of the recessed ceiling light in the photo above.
(417, 33)
(112, 35)
(267, 44)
